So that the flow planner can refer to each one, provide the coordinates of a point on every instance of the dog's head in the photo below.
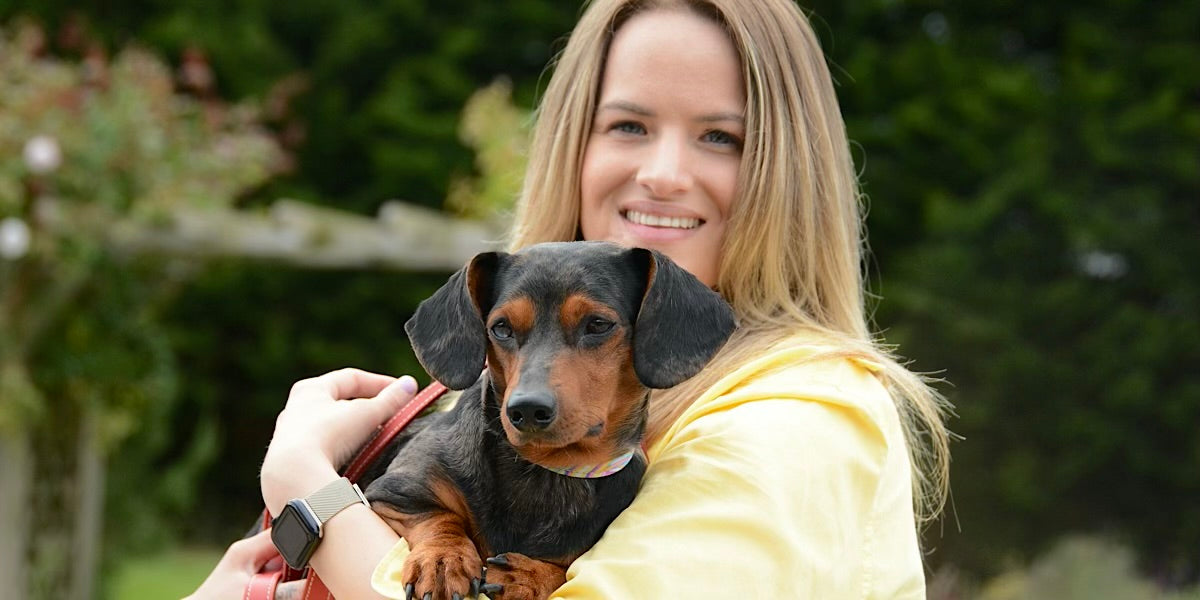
(573, 334)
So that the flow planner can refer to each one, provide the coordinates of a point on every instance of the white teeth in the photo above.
(656, 221)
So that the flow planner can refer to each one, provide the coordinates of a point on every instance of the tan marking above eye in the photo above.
(519, 312)
(578, 307)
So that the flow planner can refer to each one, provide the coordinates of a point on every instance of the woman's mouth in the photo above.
(662, 222)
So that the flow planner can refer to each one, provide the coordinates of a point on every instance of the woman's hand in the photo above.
(242, 560)
(325, 421)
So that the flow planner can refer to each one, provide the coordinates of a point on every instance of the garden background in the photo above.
(1032, 172)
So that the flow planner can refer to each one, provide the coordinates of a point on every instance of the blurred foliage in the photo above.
(498, 131)
(102, 141)
(88, 369)
(366, 98)
(1032, 172)
(1074, 568)
(367, 94)
(244, 352)
(1080, 568)
(1033, 176)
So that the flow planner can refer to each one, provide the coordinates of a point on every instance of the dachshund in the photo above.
(543, 448)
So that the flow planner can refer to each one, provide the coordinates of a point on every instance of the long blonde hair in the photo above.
(792, 259)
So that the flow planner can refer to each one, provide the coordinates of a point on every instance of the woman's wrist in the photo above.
(288, 475)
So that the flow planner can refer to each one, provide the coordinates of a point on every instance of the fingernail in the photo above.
(408, 385)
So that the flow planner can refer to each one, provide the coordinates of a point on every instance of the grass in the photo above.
(171, 574)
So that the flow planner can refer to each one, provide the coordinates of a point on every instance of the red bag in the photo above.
(262, 585)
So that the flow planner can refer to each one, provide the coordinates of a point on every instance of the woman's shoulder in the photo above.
(801, 373)
(802, 367)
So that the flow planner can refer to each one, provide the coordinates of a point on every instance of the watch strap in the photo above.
(333, 498)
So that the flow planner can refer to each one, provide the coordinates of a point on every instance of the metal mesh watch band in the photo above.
(331, 499)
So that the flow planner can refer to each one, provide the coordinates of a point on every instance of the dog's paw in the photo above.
(513, 576)
(442, 572)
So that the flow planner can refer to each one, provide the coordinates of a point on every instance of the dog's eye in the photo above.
(596, 326)
(501, 330)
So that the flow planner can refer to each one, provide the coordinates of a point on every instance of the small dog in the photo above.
(542, 451)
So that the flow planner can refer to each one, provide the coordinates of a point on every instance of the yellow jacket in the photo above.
(789, 478)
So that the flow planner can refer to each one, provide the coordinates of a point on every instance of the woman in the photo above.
(802, 460)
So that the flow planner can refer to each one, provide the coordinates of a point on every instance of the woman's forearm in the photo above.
(354, 542)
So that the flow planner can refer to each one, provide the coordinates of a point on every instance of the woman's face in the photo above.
(660, 168)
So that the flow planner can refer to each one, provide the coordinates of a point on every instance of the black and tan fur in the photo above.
(574, 335)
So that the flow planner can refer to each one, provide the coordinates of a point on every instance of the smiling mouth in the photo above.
(663, 222)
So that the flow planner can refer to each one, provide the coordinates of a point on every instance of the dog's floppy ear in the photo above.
(681, 325)
(447, 331)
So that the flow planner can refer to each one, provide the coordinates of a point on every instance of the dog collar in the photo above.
(594, 471)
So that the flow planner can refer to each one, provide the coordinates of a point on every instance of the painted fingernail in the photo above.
(408, 384)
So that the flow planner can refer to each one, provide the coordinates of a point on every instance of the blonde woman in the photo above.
(803, 460)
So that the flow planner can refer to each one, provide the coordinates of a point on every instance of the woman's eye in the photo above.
(723, 138)
(596, 326)
(630, 127)
(501, 330)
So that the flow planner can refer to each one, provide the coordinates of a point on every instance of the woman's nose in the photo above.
(665, 171)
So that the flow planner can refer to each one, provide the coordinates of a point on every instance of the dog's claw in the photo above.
(474, 588)
(428, 596)
(499, 560)
(409, 592)
(492, 588)
(456, 596)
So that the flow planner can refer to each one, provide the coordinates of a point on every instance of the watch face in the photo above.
(295, 533)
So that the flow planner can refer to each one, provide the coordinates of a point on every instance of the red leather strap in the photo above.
(262, 585)
(399, 421)
(314, 589)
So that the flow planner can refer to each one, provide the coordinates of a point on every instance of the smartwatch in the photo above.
(298, 529)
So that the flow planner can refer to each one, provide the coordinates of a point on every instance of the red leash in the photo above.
(262, 585)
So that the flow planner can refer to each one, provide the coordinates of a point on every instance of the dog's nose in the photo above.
(531, 412)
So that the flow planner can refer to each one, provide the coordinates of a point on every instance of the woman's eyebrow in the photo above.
(640, 110)
(723, 116)
(626, 106)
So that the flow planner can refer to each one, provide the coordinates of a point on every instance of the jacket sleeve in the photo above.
(786, 497)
